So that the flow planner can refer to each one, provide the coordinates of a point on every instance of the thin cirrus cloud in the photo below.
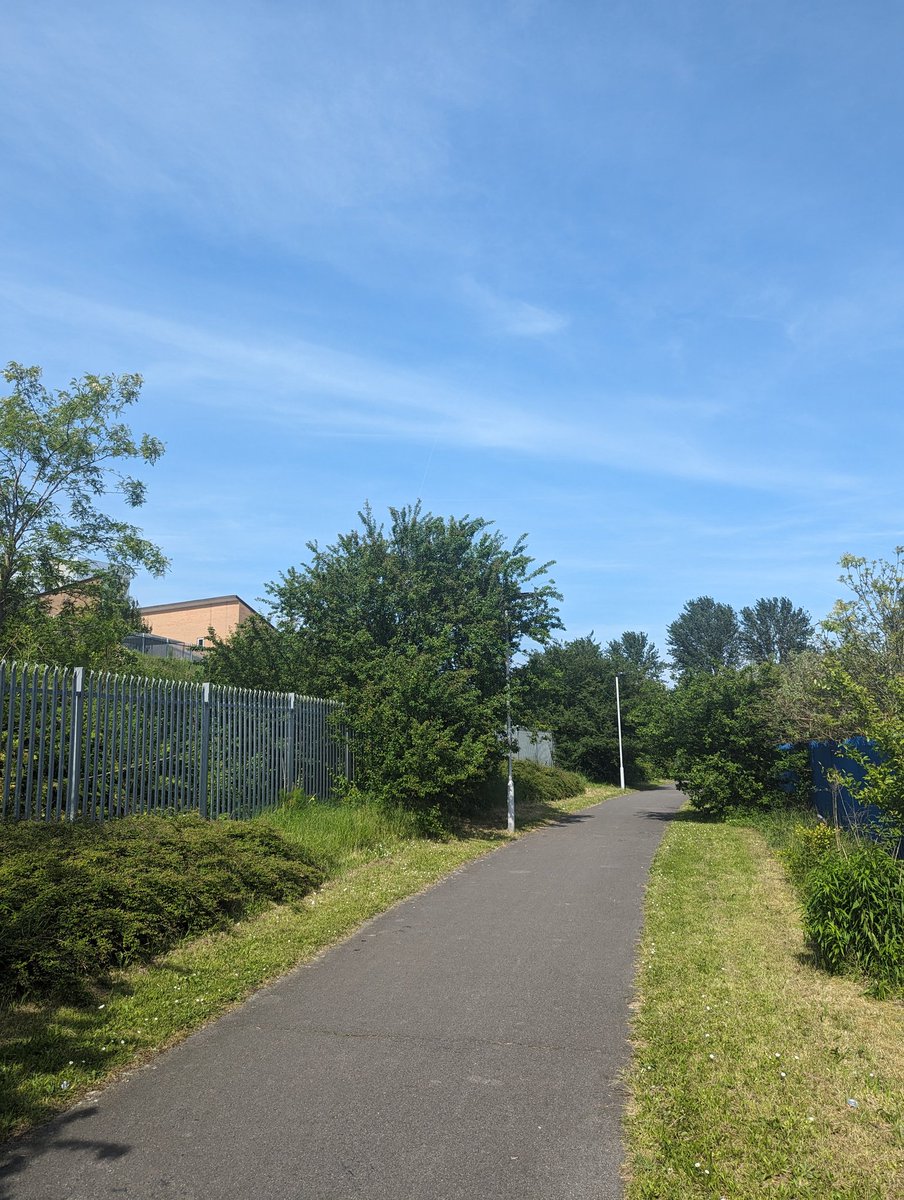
(511, 316)
(304, 387)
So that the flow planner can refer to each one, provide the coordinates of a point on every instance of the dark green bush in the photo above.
(716, 783)
(76, 900)
(854, 914)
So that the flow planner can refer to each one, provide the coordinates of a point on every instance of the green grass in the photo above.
(53, 1053)
(339, 836)
(746, 1056)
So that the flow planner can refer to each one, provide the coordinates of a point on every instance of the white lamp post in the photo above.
(621, 758)
(510, 794)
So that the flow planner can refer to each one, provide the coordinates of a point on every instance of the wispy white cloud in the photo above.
(512, 316)
(304, 387)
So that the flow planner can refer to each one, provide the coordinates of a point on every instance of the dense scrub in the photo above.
(78, 900)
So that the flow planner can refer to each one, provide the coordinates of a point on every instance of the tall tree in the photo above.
(569, 689)
(773, 630)
(704, 637)
(60, 455)
(411, 628)
(637, 651)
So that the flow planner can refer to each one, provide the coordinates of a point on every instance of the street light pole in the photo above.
(510, 794)
(621, 758)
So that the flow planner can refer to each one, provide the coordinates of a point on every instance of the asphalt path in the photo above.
(465, 1045)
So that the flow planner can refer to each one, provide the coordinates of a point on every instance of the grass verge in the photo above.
(754, 1074)
(53, 1054)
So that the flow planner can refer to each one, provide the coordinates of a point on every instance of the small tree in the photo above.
(411, 629)
(864, 675)
(865, 634)
(59, 456)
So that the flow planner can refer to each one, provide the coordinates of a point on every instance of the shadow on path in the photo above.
(101, 1151)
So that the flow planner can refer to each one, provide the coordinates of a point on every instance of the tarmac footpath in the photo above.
(465, 1045)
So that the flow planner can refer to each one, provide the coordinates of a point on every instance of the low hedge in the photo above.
(534, 784)
(77, 900)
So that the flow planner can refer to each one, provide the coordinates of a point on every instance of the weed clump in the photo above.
(854, 914)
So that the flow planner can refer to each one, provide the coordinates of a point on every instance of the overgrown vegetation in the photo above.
(535, 785)
(724, 739)
(411, 629)
(569, 689)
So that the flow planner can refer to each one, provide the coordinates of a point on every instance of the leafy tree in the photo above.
(635, 650)
(60, 454)
(725, 739)
(569, 689)
(704, 637)
(773, 630)
(865, 634)
(87, 630)
(257, 655)
(410, 629)
(863, 683)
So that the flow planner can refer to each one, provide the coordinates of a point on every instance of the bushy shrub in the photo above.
(716, 783)
(724, 740)
(854, 914)
(76, 900)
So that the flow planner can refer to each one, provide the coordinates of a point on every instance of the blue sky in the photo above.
(624, 276)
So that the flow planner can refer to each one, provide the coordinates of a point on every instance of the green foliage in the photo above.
(717, 783)
(854, 914)
(704, 637)
(773, 630)
(87, 631)
(59, 455)
(257, 655)
(77, 900)
(534, 784)
(808, 847)
(410, 630)
(150, 666)
(724, 740)
(866, 633)
(569, 689)
(633, 652)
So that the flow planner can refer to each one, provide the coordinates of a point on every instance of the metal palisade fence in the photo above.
(80, 744)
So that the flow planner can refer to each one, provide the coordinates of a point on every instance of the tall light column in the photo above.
(621, 757)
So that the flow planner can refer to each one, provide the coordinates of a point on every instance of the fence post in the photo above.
(290, 746)
(205, 749)
(75, 741)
